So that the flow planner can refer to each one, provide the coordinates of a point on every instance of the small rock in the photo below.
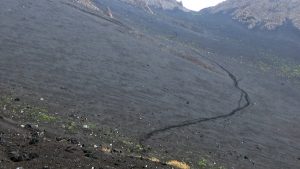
(85, 126)
(91, 155)
(17, 156)
(42, 99)
(73, 141)
(22, 125)
(70, 149)
(246, 157)
(28, 126)
(34, 141)
(86, 151)
(35, 134)
(17, 99)
(59, 138)
(116, 151)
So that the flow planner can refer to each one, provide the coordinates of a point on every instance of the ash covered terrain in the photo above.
(131, 84)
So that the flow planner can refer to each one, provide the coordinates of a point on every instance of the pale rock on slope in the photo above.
(161, 4)
(266, 14)
(88, 3)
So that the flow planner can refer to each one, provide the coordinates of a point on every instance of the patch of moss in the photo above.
(5, 100)
(92, 125)
(126, 142)
(290, 71)
(205, 164)
(134, 147)
(139, 147)
(71, 126)
(263, 66)
(42, 116)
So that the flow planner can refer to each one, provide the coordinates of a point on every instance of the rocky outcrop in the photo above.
(266, 14)
(88, 4)
(161, 4)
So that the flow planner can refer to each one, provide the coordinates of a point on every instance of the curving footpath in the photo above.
(244, 96)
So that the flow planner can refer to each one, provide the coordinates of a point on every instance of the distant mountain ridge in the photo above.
(264, 14)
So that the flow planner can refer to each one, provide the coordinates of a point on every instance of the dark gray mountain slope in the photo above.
(193, 87)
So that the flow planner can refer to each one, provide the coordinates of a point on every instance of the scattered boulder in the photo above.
(73, 141)
(28, 126)
(70, 149)
(34, 141)
(118, 151)
(17, 156)
(91, 155)
(59, 139)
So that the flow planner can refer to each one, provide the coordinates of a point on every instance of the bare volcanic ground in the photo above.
(80, 89)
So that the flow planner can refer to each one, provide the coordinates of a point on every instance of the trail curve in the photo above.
(244, 96)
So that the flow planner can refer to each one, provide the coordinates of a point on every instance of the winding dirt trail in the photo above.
(244, 96)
